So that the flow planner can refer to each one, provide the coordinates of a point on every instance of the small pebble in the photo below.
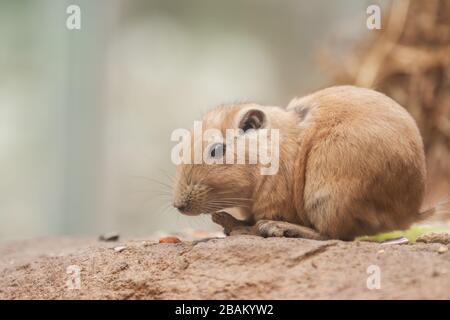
(443, 249)
(169, 239)
(380, 252)
(119, 248)
(400, 240)
(109, 237)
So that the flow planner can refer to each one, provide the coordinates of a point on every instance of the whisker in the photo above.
(229, 201)
(170, 177)
(224, 202)
(242, 199)
(155, 181)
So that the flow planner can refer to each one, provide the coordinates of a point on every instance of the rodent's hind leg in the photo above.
(270, 228)
(230, 224)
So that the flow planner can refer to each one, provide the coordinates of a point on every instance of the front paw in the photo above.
(268, 228)
(222, 218)
(225, 220)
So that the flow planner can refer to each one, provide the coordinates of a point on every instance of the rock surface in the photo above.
(238, 267)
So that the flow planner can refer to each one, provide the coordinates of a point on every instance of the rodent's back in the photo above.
(365, 170)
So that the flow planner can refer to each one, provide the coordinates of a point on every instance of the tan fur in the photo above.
(351, 163)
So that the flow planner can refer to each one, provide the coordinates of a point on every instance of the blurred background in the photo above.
(86, 115)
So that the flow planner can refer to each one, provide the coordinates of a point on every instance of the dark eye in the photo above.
(217, 150)
(247, 126)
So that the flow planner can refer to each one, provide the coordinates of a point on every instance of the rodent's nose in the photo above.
(180, 206)
(185, 208)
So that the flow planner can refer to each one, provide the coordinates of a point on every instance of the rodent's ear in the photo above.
(252, 119)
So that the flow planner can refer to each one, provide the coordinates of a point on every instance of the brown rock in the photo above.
(435, 238)
(236, 267)
(443, 249)
(109, 237)
(169, 239)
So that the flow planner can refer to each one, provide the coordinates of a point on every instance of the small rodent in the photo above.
(351, 163)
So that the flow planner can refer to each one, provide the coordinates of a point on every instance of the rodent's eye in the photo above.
(217, 150)
(247, 126)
